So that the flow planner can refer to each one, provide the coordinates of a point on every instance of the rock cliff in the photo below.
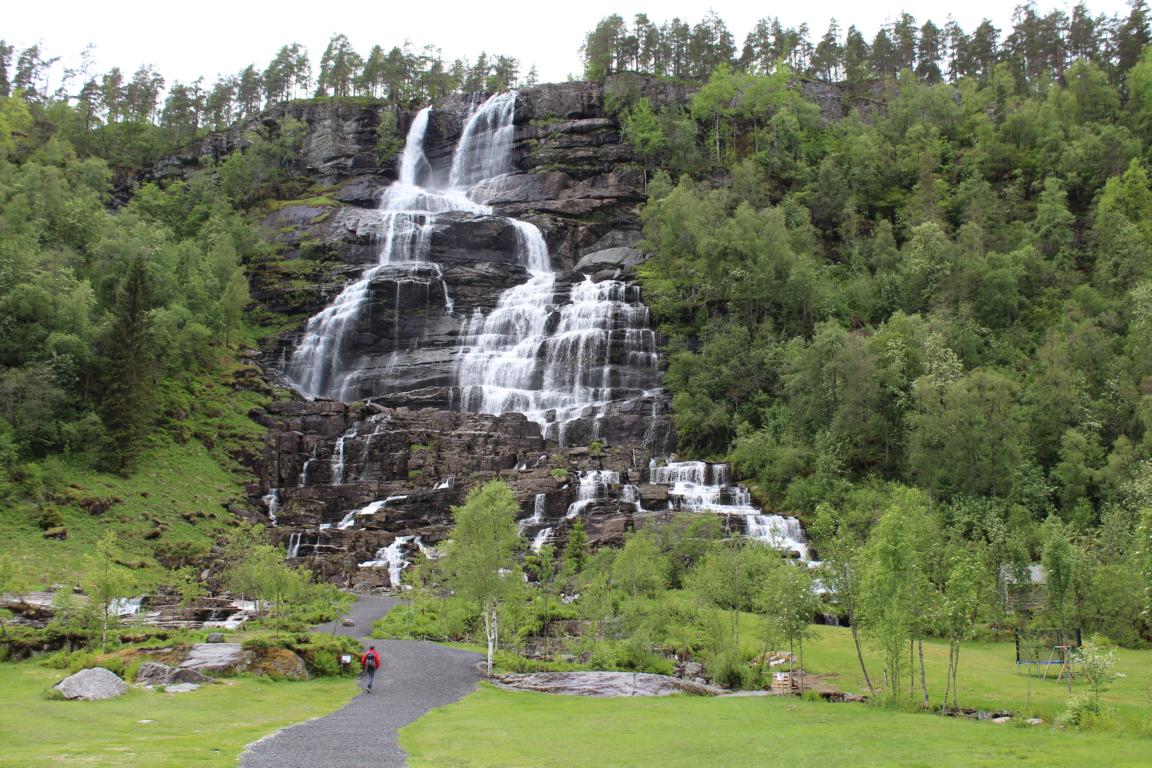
(355, 488)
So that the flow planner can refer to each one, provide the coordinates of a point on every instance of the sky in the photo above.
(210, 38)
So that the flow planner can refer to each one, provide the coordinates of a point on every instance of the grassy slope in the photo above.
(209, 727)
(506, 729)
(193, 477)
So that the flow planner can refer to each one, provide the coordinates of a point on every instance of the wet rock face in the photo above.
(351, 481)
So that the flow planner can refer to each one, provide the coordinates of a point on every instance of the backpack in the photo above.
(370, 662)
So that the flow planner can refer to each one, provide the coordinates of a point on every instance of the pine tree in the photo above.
(126, 406)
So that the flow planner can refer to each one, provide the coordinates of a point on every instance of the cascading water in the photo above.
(321, 365)
(557, 353)
(272, 502)
(695, 486)
(593, 487)
(394, 557)
(556, 350)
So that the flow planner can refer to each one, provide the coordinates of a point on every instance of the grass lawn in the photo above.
(208, 727)
(508, 729)
(988, 678)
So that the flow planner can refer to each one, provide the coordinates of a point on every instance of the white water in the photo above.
(320, 364)
(125, 606)
(699, 487)
(394, 557)
(272, 502)
(538, 507)
(593, 487)
(556, 352)
(553, 352)
(484, 149)
(541, 539)
(338, 460)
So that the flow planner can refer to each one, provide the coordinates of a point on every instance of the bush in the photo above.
(1077, 710)
(321, 654)
(730, 671)
(442, 620)
(629, 656)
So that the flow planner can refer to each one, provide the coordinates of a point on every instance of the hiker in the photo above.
(370, 662)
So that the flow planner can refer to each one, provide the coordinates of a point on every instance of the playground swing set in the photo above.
(1047, 649)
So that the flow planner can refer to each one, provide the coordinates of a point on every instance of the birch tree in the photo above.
(481, 561)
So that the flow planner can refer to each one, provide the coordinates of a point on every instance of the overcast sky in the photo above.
(186, 40)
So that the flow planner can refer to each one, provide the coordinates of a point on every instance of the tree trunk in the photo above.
(860, 656)
(955, 667)
(803, 674)
(911, 668)
(489, 636)
(948, 675)
(923, 676)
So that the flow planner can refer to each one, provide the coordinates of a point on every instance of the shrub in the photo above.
(730, 671)
(1076, 710)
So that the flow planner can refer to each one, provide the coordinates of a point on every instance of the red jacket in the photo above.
(364, 659)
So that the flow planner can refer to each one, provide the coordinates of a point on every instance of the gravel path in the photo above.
(413, 678)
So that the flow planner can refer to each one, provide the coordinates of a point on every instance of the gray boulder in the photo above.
(215, 637)
(153, 673)
(182, 688)
(92, 685)
(219, 658)
(604, 684)
(622, 260)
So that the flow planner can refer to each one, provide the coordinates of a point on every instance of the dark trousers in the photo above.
(371, 673)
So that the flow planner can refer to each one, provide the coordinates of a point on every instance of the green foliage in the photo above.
(479, 564)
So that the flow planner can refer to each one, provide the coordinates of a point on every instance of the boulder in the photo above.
(215, 637)
(278, 663)
(182, 688)
(218, 658)
(92, 685)
(613, 260)
(347, 623)
(604, 684)
(153, 673)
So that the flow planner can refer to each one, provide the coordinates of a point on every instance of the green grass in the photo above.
(173, 480)
(988, 678)
(508, 729)
(180, 483)
(208, 727)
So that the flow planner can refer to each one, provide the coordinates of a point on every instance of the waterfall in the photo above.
(484, 149)
(413, 162)
(696, 486)
(541, 539)
(538, 507)
(320, 364)
(272, 502)
(559, 351)
(553, 352)
(394, 557)
(338, 459)
(125, 606)
(294, 545)
(593, 488)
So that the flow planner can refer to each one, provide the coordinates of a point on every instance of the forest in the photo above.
(922, 326)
